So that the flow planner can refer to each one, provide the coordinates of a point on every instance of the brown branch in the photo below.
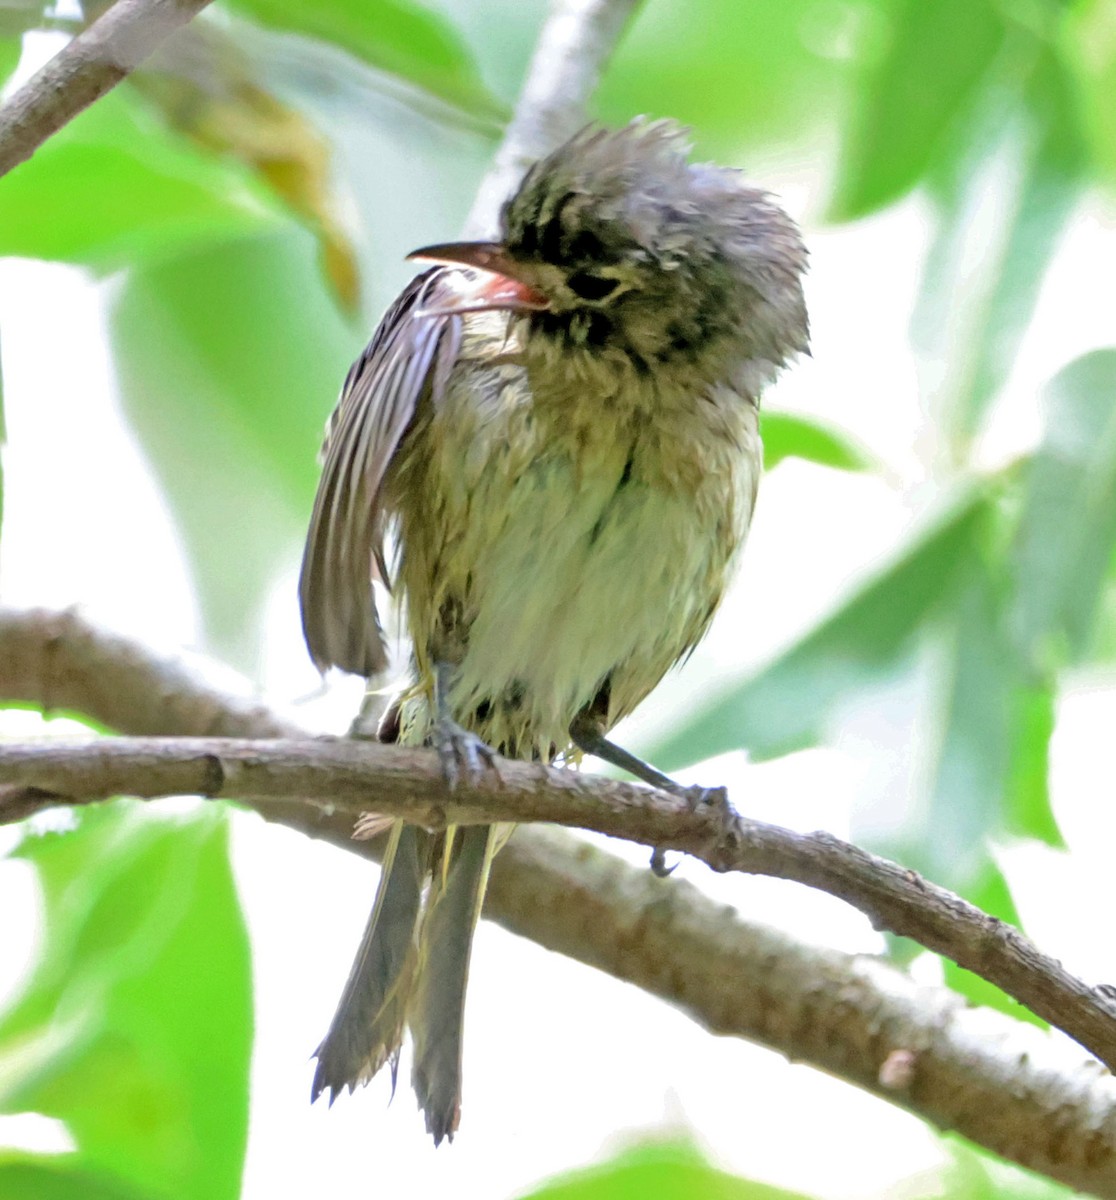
(398, 782)
(84, 70)
(55, 660)
(1003, 1084)
(1007, 1085)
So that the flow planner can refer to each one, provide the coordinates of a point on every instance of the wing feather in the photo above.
(409, 358)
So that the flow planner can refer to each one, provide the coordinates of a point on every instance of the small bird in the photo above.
(558, 433)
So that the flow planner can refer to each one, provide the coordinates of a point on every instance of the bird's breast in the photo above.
(552, 544)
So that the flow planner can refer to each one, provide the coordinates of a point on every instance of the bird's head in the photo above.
(615, 244)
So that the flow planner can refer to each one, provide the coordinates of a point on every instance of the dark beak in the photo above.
(502, 285)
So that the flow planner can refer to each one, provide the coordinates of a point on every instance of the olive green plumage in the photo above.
(568, 454)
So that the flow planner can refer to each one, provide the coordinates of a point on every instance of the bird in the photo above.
(548, 453)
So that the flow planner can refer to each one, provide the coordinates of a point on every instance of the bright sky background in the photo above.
(564, 1063)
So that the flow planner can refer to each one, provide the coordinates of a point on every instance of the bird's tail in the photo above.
(411, 968)
(367, 1028)
(437, 1010)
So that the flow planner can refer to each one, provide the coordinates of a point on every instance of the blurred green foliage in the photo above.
(1090, 46)
(218, 336)
(3, 439)
(394, 36)
(787, 705)
(787, 436)
(665, 1170)
(917, 87)
(9, 56)
(676, 1170)
(738, 73)
(215, 196)
(974, 308)
(136, 1026)
(145, 194)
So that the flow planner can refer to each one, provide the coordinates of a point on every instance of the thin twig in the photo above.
(1005, 1085)
(92, 64)
(578, 38)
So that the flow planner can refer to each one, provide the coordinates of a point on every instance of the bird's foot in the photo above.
(462, 753)
(588, 736)
(696, 798)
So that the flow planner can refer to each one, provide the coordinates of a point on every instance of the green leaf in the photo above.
(666, 1171)
(230, 113)
(741, 74)
(59, 1177)
(987, 726)
(1102, 648)
(1067, 527)
(229, 361)
(16, 18)
(1028, 812)
(10, 49)
(965, 1176)
(923, 83)
(988, 774)
(787, 705)
(136, 1026)
(966, 778)
(396, 36)
(994, 722)
(978, 292)
(1051, 183)
(975, 1174)
(3, 438)
(1091, 41)
(114, 187)
(788, 436)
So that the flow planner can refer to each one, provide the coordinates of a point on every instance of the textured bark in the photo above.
(1022, 1093)
(84, 70)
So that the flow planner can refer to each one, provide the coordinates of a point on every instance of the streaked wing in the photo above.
(408, 357)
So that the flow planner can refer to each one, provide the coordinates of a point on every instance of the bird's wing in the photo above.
(409, 357)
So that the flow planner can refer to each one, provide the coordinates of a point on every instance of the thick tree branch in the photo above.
(1003, 1084)
(55, 660)
(398, 782)
(92, 64)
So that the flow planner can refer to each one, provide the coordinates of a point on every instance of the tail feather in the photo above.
(367, 1028)
(437, 1010)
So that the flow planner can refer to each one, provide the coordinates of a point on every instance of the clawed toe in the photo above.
(696, 798)
(462, 752)
(659, 866)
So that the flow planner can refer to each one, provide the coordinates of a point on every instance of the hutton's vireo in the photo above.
(560, 428)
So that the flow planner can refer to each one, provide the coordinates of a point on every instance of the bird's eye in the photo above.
(592, 287)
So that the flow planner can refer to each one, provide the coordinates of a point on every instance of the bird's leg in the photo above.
(588, 737)
(365, 725)
(456, 746)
